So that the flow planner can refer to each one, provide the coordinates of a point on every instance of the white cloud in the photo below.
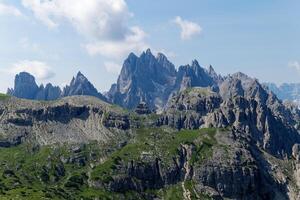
(39, 69)
(295, 65)
(104, 23)
(188, 29)
(9, 10)
(112, 67)
(119, 48)
(28, 45)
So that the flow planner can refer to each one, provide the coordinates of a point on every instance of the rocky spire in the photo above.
(25, 86)
(80, 85)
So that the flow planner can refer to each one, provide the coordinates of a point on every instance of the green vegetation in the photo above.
(62, 172)
(173, 192)
(199, 90)
(156, 142)
(3, 96)
(33, 172)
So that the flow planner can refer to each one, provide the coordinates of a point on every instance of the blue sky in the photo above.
(55, 39)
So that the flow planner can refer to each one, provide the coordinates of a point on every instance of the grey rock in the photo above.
(296, 152)
(142, 109)
(146, 78)
(80, 85)
(49, 92)
(25, 86)
(76, 119)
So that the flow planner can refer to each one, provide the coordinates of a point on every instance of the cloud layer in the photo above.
(9, 10)
(295, 65)
(104, 23)
(188, 29)
(39, 69)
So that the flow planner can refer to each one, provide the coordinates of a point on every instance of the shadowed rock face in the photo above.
(49, 92)
(145, 78)
(193, 76)
(80, 85)
(153, 79)
(25, 86)
(242, 103)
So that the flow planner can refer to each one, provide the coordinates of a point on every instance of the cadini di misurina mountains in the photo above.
(158, 133)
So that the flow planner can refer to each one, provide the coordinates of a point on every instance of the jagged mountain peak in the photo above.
(81, 86)
(131, 56)
(80, 78)
(79, 74)
(195, 63)
(148, 51)
(211, 69)
(147, 54)
(26, 87)
(25, 76)
(155, 78)
(161, 56)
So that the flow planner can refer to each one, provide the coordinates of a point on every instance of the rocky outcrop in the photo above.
(193, 76)
(49, 92)
(241, 103)
(25, 87)
(150, 174)
(80, 85)
(146, 78)
(154, 79)
(78, 119)
(142, 109)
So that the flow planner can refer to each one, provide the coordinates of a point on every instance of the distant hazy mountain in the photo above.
(26, 87)
(286, 91)
(145, 78)
(80, 85)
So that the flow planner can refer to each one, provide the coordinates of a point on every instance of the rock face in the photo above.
(154, 79)
(142, 109)
(193, 76)
(49, 92)
(80, 85)
(241, 103)
(79, 119)
(145, 78)
(25, 87)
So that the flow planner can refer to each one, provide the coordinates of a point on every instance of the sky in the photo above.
(54, 39)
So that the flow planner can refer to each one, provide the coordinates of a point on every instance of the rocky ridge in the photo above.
(154, 80)
(26, 87)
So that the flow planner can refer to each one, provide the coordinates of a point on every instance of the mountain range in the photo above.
(148, 78)
(26, 87)
(212, 137)
(286, 91)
